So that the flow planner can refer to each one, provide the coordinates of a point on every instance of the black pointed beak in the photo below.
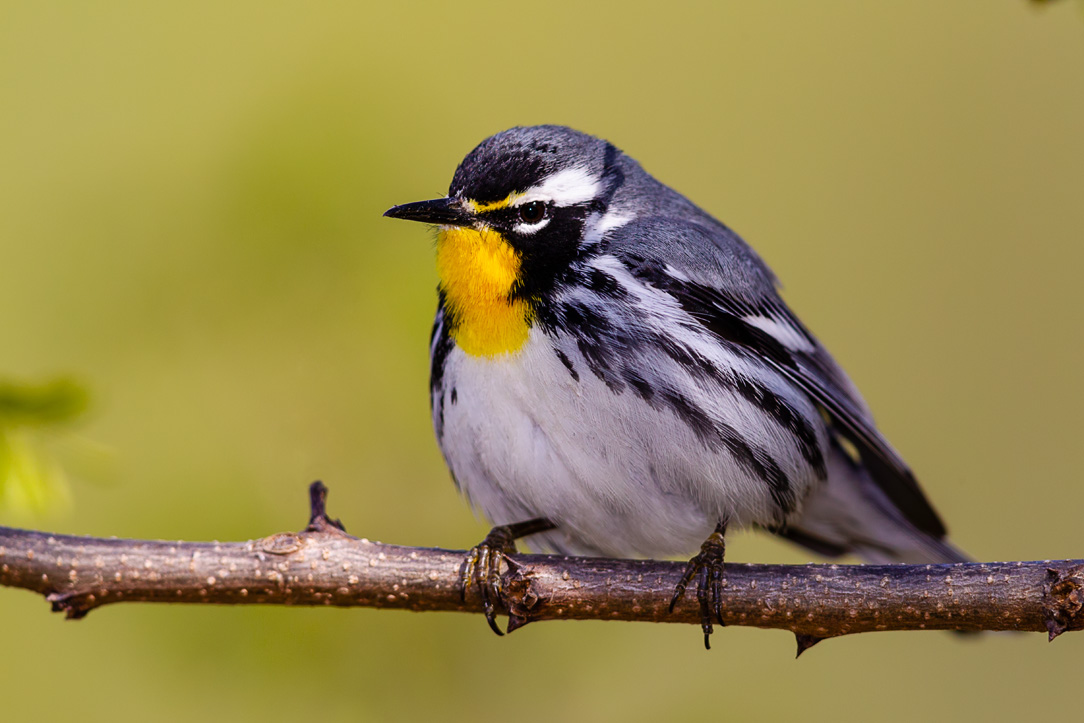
(442, 211)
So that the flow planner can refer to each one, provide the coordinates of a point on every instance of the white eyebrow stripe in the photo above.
(564, 188)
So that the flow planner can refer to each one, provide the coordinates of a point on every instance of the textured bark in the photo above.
(322, 565)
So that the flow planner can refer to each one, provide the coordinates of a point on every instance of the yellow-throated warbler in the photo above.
(614, 373)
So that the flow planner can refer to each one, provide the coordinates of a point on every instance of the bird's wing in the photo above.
(723, 284)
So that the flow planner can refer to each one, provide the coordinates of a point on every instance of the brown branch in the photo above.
(322, 565)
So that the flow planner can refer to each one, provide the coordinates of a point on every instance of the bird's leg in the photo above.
(482, 565)
(707, 568)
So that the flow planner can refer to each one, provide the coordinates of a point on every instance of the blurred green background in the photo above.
(190, 227)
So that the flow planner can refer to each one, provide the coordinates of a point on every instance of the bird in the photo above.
(613, 372)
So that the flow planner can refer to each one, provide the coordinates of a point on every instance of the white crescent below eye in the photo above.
(529, 228)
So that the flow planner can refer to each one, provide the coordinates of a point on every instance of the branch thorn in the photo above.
(318, 518)
(68, 603)
(805, 642)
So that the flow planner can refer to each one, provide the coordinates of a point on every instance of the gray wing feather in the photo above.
(721, 282)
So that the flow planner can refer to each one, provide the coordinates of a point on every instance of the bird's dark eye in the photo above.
(532, 212)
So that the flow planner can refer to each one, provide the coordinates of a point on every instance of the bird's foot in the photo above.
(707, 568)
(482, 564)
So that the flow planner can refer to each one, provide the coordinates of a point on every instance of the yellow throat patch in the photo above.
(477, 271)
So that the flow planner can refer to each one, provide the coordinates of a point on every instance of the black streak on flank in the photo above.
(568, 364)
(787, 417)
(754, 460)
(597, 362)
(604, 285)
(440, 345)
(585, 322)
(693, 362)
(595, 340)
(640, 386)
(455, 396)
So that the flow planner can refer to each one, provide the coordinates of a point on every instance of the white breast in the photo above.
(526, 439)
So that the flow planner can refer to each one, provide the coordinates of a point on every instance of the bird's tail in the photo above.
(850, 514)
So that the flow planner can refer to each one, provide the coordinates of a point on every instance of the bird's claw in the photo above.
(707, 567)
(482, 567)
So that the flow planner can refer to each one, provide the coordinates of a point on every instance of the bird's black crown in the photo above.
(519, 158)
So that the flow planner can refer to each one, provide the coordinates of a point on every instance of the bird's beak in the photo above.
(442, 211)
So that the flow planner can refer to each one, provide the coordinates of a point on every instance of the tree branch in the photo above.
(322, 565)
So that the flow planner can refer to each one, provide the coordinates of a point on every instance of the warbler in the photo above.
(614, 372)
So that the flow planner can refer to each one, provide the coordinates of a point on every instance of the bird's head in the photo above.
(521, 208)
(543, 189)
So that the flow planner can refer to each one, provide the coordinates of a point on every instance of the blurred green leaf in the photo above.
(54, 402)
(30, 481)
